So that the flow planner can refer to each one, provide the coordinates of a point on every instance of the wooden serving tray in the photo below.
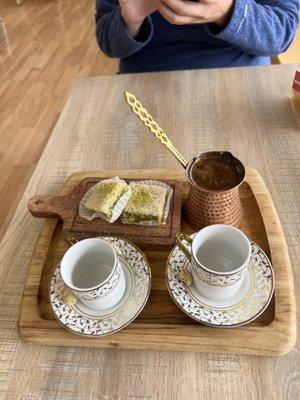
(162, 325)
(65, 208)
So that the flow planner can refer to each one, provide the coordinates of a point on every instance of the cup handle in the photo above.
(180, 238)
(71, 240)
(69, 297)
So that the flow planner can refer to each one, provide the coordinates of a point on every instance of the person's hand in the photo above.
(181, 12)
(135, 11)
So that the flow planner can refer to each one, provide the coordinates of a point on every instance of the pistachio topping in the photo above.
(147, 203)
(105, 197)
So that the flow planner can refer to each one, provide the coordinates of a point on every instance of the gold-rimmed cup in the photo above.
(219, 256)
(93, 274)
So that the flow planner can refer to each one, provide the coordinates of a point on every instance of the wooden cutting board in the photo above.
(65, 208)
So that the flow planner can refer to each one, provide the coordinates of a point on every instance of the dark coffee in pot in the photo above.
(213, 198)
(216, 171)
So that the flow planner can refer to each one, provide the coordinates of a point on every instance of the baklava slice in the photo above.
(106, 200)
(148, 204)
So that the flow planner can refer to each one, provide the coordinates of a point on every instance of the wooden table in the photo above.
(244, 110)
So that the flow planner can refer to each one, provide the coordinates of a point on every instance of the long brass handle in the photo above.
(147, 119)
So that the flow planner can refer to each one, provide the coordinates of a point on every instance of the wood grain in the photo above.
(66, 209)
(44, 47)
(274, 333)
(240, 110)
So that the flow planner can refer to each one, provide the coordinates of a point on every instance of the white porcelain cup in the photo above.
(219, 256)
(91, 270)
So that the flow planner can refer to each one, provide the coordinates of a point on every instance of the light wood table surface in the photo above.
(246, 111)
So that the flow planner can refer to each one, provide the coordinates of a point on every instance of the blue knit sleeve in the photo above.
(261, 27)
(111, 33)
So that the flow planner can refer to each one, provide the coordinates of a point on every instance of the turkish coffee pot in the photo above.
(214, 178)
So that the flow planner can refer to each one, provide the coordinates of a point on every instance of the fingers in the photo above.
(186, 8)
(174, 17)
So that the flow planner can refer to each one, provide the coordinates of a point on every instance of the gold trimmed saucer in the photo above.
(83, 320)
(249, 303)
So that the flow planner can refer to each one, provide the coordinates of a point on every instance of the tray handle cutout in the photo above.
(47, 206)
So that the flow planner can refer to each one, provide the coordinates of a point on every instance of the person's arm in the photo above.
(262, 27)
(258, 27)
(113, 36)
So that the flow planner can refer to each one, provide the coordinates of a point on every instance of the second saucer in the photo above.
(245, 306)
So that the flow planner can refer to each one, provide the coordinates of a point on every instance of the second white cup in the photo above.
(219, 258)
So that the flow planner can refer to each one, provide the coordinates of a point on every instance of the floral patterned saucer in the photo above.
(250, 302)
(85, 321)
